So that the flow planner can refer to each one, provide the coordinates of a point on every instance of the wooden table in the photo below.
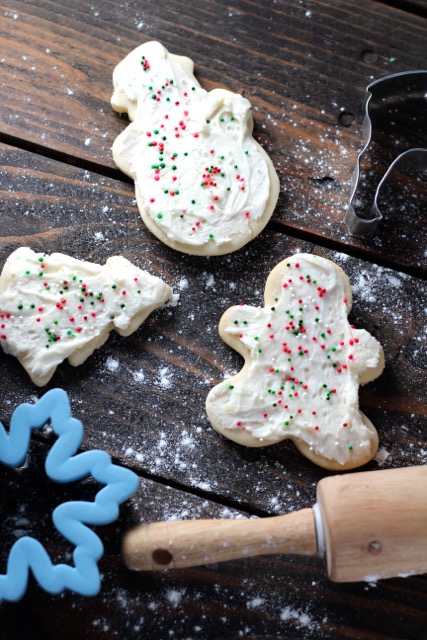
(304, 65)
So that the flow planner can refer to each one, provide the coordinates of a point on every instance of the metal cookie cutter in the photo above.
(392, 88)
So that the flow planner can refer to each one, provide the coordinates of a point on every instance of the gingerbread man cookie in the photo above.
(203, 185)
(56, 307)
(303, 366)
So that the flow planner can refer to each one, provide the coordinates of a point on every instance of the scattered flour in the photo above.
(209, 281)
(381, 457)
(293, 614)
(138, 376)
(255, 603)
(112, 364)
(183, 284)
(164, 379)
(174, 597)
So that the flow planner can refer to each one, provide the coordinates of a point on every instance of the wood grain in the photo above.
(153, 385)
(268, 596)
(304, 70)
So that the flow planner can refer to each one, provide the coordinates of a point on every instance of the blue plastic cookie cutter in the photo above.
(69, 518)
(392, 86)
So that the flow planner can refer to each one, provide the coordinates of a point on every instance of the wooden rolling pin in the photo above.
(368, 525)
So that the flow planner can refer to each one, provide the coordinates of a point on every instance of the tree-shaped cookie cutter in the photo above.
(70, 518)
(383, 90)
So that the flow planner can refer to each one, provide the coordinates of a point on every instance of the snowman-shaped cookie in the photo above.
(203, 185)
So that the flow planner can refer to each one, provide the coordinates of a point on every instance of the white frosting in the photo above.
(203, 184)
(56, 307)
(304, 364)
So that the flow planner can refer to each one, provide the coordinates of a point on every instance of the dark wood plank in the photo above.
(142, 399)
(277, 596)
(147, 392)
(304, 69)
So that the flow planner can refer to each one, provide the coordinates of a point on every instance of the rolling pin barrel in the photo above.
(374, 523)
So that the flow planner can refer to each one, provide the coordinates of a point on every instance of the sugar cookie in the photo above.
(303, 366)
(56, 307)
(203, 185)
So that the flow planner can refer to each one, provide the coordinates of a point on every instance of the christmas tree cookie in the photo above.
(203, 185)
(304, 363)
(56, 307)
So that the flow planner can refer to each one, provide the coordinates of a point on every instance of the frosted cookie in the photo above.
(303, 366)
(203, 185)
(56, 307)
